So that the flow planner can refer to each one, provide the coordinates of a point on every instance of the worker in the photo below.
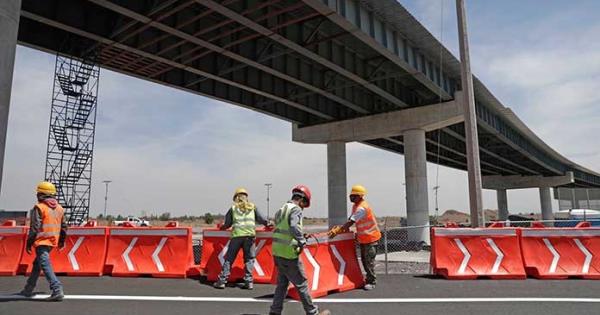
(47, 230)
(242, 216)
(367, 232)
(288, 242)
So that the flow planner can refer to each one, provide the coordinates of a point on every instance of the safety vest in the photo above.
(284, 243)
(367, 230)
(51, 223)
(244, 222)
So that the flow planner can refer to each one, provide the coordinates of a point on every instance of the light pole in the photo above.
(268, 199)
(106, 182)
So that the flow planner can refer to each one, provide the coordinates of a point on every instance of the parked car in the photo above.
(135, 221)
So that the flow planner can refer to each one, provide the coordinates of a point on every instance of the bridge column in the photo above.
(9, 26)
(415, 168)
(336, 183)
(546, 204)
(502, 204)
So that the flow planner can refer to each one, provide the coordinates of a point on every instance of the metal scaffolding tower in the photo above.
(71, 134)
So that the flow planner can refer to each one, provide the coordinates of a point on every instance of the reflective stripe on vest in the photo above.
(244, 222)
(366, 228)
(284, 244)
(51, 225)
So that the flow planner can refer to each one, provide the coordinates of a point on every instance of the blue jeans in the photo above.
(42, 262)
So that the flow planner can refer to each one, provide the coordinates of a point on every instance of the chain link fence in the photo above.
(404, 250)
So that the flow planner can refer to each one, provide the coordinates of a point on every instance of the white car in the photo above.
(135, 221)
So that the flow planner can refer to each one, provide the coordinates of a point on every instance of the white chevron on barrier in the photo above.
(555, 254)
(466, 254)
(71, 255)
(155, 257)
(316, 267)
(125, 254)
(499, 255)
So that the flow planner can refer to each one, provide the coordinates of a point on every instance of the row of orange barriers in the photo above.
(331, 265)
(515, 253)
(95, 251)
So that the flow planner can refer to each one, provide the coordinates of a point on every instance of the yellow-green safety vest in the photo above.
(244, 222)
(284, 244)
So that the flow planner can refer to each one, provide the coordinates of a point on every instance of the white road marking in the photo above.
(156, 252)
(323, 300)
(499, 255)
(465, 261)
(588, 256)
(554, 253)
(71, 255)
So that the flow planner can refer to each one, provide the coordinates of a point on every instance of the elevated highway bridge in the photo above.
(337, 70)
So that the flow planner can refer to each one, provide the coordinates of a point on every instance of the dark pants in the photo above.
(368, 252)
(291, 270)
(235, 244)
(42, 262)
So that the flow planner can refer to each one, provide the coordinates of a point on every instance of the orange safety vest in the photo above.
(51, 223)
(367, 230)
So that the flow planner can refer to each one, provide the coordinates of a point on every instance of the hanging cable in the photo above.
(441, 87)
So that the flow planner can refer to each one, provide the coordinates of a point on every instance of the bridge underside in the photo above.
(300, 61)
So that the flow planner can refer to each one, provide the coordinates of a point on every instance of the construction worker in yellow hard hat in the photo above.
(48, 229)
(242, 216)
(367, 232)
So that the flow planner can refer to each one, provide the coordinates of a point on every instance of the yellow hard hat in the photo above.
(46, 188)
(358, 190)
(240, 191)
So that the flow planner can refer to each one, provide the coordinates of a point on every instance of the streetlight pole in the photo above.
(468, 100)
(268, 185)
(437, 208)
(106, 182)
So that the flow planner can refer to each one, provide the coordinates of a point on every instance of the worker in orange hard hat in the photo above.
(288, 242)
(367, 232)
(48, 230)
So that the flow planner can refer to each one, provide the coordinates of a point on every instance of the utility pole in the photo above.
(268, 199)
(106, 182)
(468, 99)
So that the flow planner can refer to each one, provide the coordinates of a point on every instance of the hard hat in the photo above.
(240, 191)
(304, 192)
(359, 190)
(46, 188)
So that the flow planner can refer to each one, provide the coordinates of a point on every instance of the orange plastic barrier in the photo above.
(157, 252)
(214, 246)
(465, 253)
(560, 253)
(12, 245)
(330, 265)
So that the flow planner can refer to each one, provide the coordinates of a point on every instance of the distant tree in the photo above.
(166, 216)
(100, 217)
(120, 218)
(208, 218)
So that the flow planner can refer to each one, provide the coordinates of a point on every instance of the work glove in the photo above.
(300, 247)
(335, 231)
(61, 245)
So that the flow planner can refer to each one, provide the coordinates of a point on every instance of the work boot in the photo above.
(26, 293)
(56, 296)
(219, 285)
(369, 287)
(248, 286)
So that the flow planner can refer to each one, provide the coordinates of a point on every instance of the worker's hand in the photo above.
(334, 231)
(270, 224)
(61, 245)
(307, 236)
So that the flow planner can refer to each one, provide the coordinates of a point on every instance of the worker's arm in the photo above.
(295, 226)
(63, 233)
(359, 214)
(35, 225)
(228, 220)
(259, 218)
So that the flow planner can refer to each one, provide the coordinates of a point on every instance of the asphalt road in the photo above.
(395, 294)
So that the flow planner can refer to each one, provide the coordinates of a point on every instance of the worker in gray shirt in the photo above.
(242, 218)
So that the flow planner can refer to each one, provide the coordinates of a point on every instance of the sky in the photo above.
(170, 151)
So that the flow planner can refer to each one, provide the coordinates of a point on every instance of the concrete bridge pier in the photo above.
(502, 196)
(336, 183)
(546, 204)
(417, 198)
(9, 26)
